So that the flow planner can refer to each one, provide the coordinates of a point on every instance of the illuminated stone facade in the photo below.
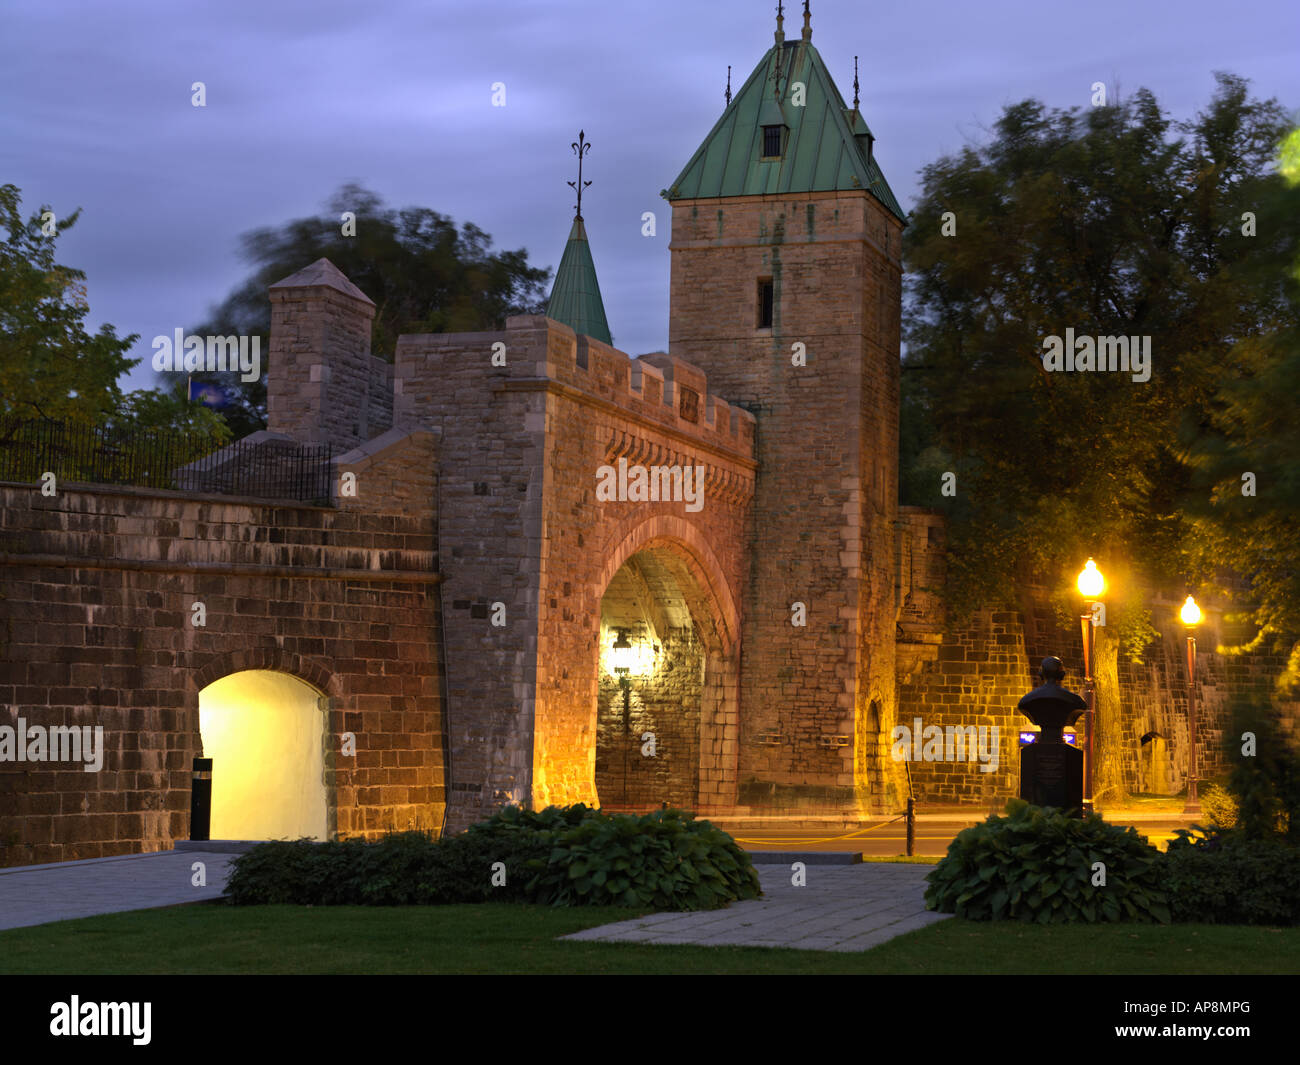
(455, 607)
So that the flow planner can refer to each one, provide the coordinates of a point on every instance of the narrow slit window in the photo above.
(765, 302)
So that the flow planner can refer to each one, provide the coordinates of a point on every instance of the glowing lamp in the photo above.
(623, 653)
(1091, 583)
(1191, 613)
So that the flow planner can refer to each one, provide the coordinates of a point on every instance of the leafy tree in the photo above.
(1248, 511)
(51, 369)
(1265, 783)
(1113, 222)
(424, 274)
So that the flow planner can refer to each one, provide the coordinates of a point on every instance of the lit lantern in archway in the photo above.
(623, 654)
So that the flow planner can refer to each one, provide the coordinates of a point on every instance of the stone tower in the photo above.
(786, 291)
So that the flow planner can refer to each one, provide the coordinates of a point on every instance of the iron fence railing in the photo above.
(260, 469)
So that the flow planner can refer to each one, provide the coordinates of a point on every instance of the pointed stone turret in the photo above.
(322, 383)
(575, 296)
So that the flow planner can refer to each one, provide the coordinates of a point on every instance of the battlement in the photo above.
(661, 388)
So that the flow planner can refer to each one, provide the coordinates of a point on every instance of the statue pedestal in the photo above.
(1051, 774)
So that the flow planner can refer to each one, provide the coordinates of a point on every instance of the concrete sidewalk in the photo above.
(842, 908)
(61, 891)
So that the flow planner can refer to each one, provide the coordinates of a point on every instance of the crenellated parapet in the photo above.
(665, 389)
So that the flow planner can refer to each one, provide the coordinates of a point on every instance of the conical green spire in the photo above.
(575, 296)
(823, 144)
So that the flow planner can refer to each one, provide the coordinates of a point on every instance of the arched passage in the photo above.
(648, 716)
(265, 734)
(666, 728)
(1155, 775)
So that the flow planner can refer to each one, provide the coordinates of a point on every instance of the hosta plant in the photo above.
(1038, 864)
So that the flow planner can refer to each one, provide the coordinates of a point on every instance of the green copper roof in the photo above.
(826, 144)
(575, 296)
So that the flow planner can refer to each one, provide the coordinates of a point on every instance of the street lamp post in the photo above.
(1091, 584)
(622, 655)
(1191, 615)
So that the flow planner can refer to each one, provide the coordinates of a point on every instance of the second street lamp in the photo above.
(1191, 616)
(1091, 584)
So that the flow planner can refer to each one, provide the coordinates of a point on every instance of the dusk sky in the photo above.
(95, 112)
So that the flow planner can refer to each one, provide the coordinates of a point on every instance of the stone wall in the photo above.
(978, 676)
(99, 585)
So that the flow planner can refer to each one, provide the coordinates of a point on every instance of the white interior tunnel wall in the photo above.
(264, 732)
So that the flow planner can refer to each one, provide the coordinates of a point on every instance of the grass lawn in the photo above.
(505, 938)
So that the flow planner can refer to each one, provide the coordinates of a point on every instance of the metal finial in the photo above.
(775, 76)
(807, 22)
(855, 83)
(780, 23)
(580, 148)
(728, 86)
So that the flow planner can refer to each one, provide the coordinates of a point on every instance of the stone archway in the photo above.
(648, 720)
(673, 736)
(873, 771)
(265, 733)
(1155, 769)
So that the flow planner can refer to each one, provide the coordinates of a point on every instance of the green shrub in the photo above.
(515, 818)
(1219, 804)
(665, 859)
(303, 872)
(1265, 785)
(401, 869)
(1226, 878)
(561, 855)
(465, 873)
(1036, 864)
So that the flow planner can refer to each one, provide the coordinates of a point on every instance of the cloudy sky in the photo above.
(95, 112)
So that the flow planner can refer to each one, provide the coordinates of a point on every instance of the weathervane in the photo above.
(855, 83)
(728, 86)
(580, 148)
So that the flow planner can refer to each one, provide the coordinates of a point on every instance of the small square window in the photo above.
(771, 141)
(765, 303)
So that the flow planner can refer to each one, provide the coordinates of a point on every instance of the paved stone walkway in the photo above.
(61, 891)
(853, 907)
